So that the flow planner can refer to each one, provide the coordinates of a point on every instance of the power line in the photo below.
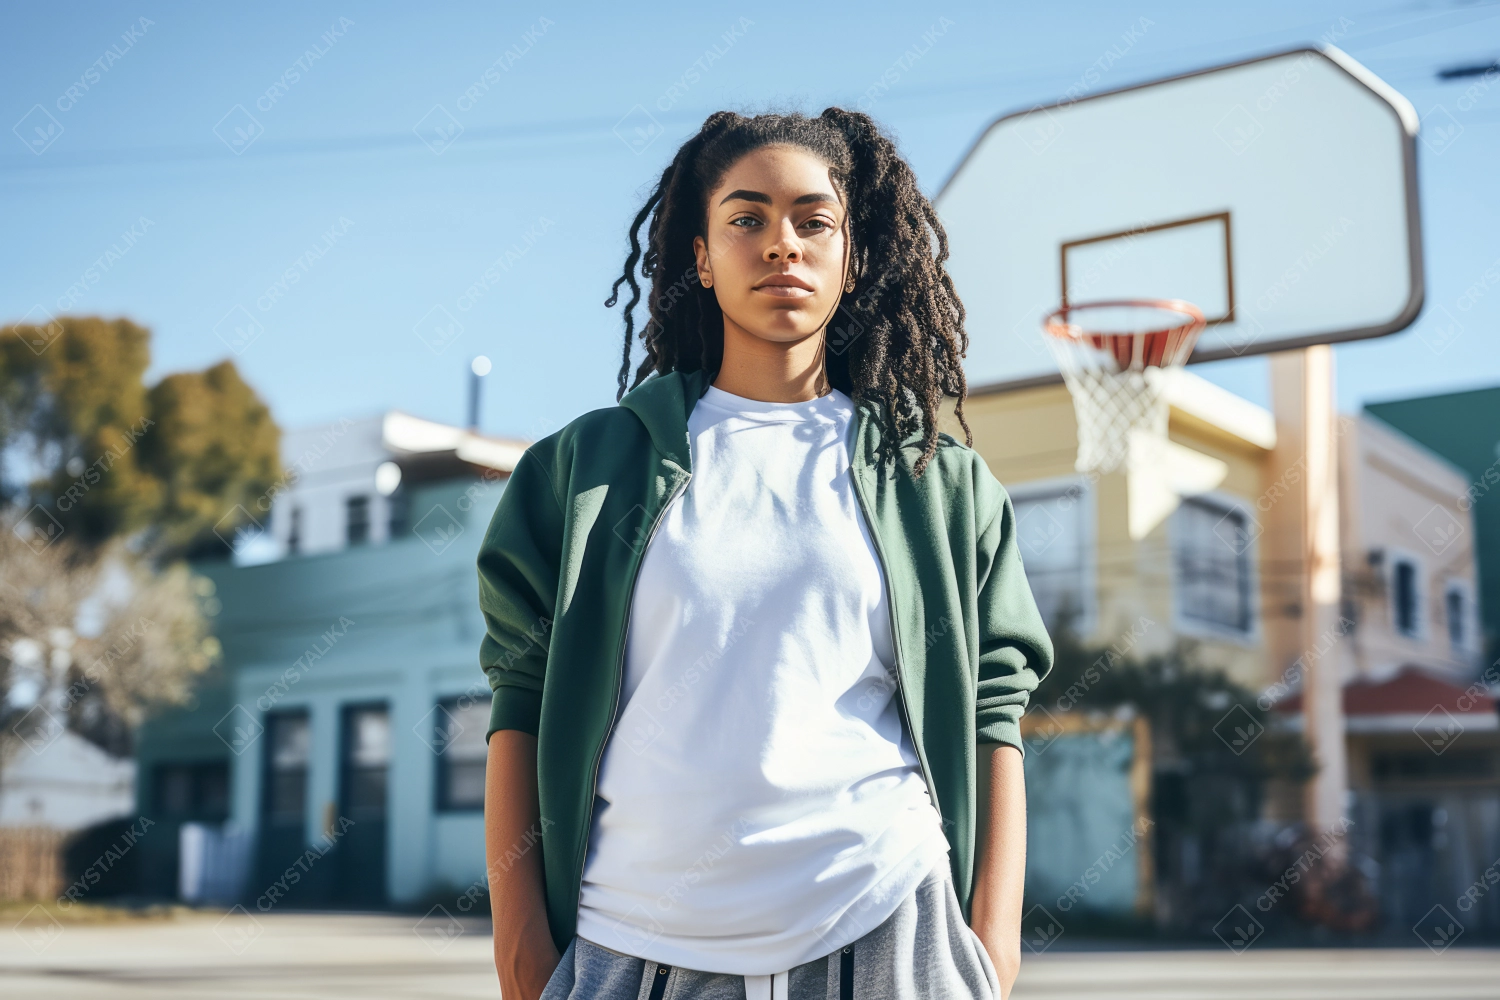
(548, 134)
(1461, 72)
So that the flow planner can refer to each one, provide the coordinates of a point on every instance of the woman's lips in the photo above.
(784, 286)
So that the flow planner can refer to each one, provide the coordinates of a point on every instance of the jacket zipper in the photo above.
(620, 675)
(890, 603)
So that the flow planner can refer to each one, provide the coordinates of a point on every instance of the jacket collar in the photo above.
(663, 404)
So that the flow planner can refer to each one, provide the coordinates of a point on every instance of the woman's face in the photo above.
(775, 247)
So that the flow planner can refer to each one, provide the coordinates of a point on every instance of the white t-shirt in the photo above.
(760, 804)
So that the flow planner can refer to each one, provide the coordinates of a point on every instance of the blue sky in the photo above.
(139, 206)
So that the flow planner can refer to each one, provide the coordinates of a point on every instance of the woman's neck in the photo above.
(771, 371)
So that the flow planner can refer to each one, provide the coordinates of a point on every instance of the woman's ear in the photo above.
(705, 271)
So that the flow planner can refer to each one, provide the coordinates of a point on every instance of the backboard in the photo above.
(1279, 194)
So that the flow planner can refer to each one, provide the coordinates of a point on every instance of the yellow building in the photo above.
(1208, 540)
(1167, 551)
(1203, 541)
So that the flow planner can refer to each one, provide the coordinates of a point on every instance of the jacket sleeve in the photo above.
(518, 570)
(1015, 652)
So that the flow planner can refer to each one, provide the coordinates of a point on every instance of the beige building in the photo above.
(1203, 542)
(1357, 569)
(1176, 544)
(1409, 555)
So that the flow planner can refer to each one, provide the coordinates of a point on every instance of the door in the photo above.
(364, 780)
(283, 809)
(1435, 847)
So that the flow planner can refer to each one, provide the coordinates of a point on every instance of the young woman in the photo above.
(759, 636)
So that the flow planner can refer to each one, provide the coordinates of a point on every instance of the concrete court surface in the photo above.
(315, 956)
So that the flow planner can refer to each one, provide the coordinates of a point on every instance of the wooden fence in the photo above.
(31, 862)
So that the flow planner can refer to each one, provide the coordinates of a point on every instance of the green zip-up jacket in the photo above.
(557, 568)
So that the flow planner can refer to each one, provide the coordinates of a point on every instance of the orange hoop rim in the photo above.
(1057, 325)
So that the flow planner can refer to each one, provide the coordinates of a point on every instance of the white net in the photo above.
(1118, 374)
(1109, 406)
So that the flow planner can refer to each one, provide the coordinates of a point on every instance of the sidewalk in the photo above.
(276, 957)
(340, 956)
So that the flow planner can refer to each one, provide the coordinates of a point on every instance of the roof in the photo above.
(1191, 396)
(1195, 396)
(1413, 698)
(404, 433)
(1413, 451)
(1458, 425)
(394, 434)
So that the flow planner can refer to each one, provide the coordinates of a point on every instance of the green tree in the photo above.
(177, 466)
(1215, 755)
(214, 452)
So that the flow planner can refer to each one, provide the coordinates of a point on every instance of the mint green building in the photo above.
(336, 757)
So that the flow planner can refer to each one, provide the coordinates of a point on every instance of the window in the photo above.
(1051, 534)
(357, 520)
(398, 507)
(1453, 604)
(1405, 604)
(288, 750)
(1211, 551)
(459, 742)
(367, 760)
(193, 791)
(1456, 611)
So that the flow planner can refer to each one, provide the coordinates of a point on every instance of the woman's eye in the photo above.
(820, 224)
(749, 219)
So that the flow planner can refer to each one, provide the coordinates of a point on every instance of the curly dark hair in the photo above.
(901, 340)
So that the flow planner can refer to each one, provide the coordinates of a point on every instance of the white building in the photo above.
(62, 781)
(350, 482)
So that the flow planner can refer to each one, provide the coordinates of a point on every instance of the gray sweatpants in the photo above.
(923, 951)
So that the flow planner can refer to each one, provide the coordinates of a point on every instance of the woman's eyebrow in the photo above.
(765, 199)
(744, 195)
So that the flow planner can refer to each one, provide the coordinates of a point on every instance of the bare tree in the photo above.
(91, 638)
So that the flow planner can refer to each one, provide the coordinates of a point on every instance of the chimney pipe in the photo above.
(478, 368)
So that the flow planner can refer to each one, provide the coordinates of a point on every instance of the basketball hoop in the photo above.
(1113, 355)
